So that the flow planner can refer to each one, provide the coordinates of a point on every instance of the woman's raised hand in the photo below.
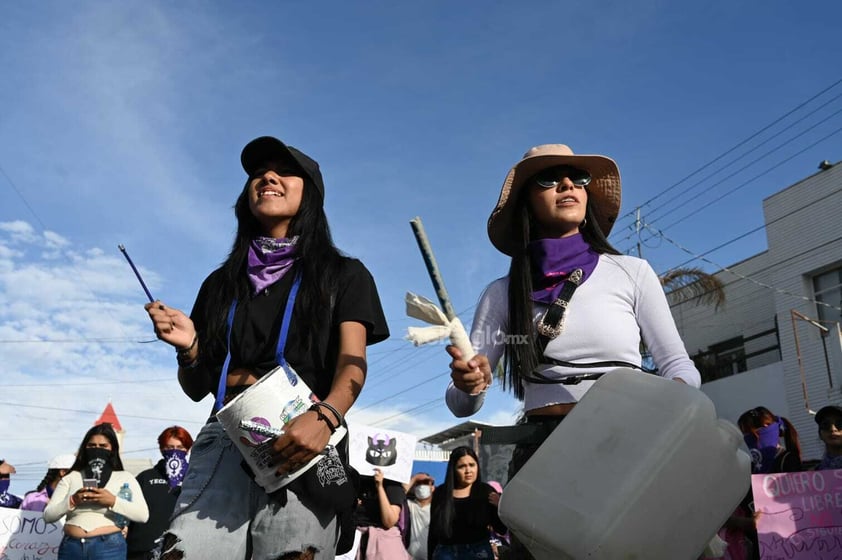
(472, 376)
(171, 325)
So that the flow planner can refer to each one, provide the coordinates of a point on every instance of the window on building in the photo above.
(723, 359)
(828, 289)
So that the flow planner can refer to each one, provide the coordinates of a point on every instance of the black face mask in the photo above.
(99, 465)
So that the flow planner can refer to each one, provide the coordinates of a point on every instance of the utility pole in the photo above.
(637, 231)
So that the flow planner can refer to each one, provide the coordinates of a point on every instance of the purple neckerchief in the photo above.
(554, 259)
(269, 259)
(175, 465)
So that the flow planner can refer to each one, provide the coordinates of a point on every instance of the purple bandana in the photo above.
(554, 259)
(764, 447)
(8, 500)
(175, 464)
(269, 260)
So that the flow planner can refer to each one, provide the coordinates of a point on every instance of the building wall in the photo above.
(757, 387)
(803, 230)
(804, 234)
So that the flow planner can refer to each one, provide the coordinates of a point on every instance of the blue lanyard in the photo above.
(279, 349)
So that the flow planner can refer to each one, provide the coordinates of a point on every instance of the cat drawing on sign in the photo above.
(382, 450)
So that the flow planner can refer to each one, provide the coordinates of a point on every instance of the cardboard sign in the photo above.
(801, 514)
(24, 535)
(377, 448)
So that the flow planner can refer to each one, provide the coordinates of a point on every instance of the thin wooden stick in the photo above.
(136, 273)
(432, 267)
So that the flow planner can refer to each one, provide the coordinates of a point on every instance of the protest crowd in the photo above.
(287, 302)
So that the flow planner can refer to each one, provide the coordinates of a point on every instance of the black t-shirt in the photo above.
(368, 507)
(160, 499)
(257, 325)
(472, 517)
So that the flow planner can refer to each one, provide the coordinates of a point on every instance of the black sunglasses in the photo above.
(550, 178)
(827, 425)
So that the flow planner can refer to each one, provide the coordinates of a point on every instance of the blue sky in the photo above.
(123, 124)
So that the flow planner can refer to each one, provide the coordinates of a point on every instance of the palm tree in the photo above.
(687, 284)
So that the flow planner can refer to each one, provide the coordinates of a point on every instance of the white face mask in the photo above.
(423, 491)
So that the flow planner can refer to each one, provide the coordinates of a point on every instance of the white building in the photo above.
(773, 343)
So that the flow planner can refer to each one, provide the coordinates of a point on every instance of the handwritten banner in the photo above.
(801, 515)
(24, 535)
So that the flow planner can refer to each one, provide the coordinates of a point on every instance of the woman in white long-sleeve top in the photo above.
(98, 499)
(571, 308)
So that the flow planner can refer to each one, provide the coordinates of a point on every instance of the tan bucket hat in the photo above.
(603, 192)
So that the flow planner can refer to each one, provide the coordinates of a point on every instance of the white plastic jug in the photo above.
(641, 469)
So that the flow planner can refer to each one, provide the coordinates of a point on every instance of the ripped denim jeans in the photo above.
(222, 513)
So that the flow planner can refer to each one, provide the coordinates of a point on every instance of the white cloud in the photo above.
(20, 231)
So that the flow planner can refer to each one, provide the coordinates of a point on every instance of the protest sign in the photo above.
(24, 535)
(388, 450)
(800, 514)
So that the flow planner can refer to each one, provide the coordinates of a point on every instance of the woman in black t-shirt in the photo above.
(285, 293)
(464, 509)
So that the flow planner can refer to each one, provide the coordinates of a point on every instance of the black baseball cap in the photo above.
(260, 150)
(827, 411)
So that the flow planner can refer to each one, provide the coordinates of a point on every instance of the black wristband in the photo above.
(339, 419)
(315, 408)
(185, 351)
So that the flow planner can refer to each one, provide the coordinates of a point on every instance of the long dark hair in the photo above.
(444, 515)
(318, 263)
(53, 475)
(525, 356)
(759, 417)
(106, 430)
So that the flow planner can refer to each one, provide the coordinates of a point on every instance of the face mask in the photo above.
(175, 464)
(423, 491)
(8, 500)
(764, 447)
(99, 465)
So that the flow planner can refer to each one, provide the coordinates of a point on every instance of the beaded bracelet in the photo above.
(315, 408)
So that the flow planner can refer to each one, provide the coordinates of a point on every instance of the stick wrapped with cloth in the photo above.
(421, 308)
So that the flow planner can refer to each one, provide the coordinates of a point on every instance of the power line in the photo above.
(735, 147)
(78, 341)
(742, 276)
(745, 183)
(97, 413)
(393, 395)
(686, 201)
(438, 400)
(746, 234)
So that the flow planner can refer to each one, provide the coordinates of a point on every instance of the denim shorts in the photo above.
(222, 513)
